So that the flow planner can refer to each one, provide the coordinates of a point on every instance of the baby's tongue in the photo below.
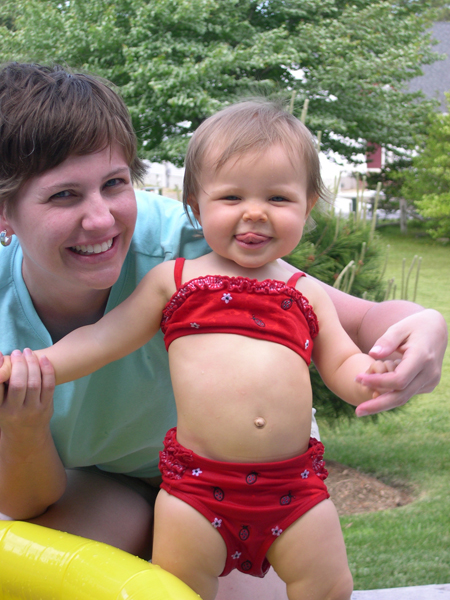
(250, 238)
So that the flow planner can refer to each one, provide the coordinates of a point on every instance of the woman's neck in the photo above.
(63, 314)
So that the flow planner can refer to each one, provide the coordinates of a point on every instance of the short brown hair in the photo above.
(248, 126)
(48, 113)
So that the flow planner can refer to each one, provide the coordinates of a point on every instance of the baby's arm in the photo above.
(5, 368)
(335, 355)
(121, 331)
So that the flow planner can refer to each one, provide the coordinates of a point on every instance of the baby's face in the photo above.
(253, 209)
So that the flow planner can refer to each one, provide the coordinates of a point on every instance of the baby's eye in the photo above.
(278, 199)
(233, 198)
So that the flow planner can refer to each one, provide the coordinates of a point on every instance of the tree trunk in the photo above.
(403, 218)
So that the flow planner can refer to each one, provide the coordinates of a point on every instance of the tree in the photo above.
(428, 181)
(178, 61)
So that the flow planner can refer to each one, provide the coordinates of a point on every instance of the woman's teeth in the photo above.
(95, 249)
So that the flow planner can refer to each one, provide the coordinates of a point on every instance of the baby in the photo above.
(243, 482)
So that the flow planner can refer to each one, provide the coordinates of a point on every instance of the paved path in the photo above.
(423, 592)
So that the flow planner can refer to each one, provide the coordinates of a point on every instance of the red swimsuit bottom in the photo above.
(250, 504)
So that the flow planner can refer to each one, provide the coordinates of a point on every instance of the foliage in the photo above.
(178, 61)
(428, 181)
(331, 243)
(391, 176)
(440, 10)
(323, 253)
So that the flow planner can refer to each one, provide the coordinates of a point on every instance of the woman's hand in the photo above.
(26, 403)
(32, 476)
(420, 339)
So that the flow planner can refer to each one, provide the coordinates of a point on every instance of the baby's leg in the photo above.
(310, 556)
(187, 545)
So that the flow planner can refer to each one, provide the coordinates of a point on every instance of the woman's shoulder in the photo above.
(163, 229)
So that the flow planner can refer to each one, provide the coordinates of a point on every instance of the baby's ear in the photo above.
(193, 204)
(311, 203)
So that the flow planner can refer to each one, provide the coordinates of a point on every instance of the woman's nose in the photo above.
(97, 215)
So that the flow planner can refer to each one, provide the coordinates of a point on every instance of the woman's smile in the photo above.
(96, 248)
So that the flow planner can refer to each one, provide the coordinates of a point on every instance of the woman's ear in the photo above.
(6, 231)
(4, 222)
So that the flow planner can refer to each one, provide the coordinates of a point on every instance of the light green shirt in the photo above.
(117, 417)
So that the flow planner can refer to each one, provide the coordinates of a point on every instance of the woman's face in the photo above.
(75, 224)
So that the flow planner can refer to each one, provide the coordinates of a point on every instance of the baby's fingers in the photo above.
(391, 365)
(383, 366)
(377, 366)
(48, 380)
(5, 368)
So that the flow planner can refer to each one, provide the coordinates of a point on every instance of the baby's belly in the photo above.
(240, 399)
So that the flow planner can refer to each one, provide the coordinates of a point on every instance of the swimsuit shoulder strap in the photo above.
(295, 277)
(178, 271)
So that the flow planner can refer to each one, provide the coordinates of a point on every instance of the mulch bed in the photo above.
(353, 492)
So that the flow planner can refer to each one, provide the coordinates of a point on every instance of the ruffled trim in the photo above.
(240, 284)
(173, 460)
(318, 464)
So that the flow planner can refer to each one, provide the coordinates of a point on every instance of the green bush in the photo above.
(330, 245)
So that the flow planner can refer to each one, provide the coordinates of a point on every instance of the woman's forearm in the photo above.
(31, 478)
(366, 321)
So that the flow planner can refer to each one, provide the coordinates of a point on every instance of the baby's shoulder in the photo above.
(309, 287)
(161, 277)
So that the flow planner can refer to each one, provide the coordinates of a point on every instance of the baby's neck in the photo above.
(215, 264)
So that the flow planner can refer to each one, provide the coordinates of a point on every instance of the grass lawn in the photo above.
(411, 447)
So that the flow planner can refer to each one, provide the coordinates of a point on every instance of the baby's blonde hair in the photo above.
(251, 126)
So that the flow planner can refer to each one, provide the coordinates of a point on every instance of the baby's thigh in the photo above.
(187, 545)
(311, 558)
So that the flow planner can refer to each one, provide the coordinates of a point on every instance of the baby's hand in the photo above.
(380, 367)
(5, 368)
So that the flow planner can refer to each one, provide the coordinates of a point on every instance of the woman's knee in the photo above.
(101, 509)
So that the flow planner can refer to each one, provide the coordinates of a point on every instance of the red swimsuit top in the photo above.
(268, 310)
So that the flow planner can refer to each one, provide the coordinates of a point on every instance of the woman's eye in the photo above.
(62, 194)
(114, 182)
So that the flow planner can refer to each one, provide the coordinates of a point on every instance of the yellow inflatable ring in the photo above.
(37, 563)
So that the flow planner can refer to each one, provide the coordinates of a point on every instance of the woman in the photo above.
(86, 460)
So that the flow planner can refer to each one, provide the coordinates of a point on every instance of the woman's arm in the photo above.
(32, 476)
